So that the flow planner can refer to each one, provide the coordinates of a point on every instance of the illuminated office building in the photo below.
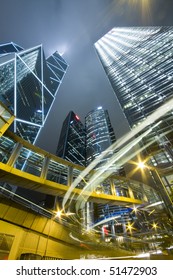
(71, 144)
(138, 62)
(99, 133)
(99, 137)
(28, 85)
(81, 144)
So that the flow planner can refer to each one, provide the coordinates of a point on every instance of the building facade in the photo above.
(139, 65)
(72, 139)
(99, 133)
(82, 144)
(28, 85)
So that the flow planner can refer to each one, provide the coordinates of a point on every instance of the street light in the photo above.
(55, 215)
(58, 214)
(130, 227)
(141, 165)
(154, 225)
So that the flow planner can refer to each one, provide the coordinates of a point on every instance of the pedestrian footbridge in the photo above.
(25, 165)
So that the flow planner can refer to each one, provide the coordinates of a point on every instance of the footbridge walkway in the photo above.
(25, 165)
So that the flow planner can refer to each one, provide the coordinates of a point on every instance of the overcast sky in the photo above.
(72, 27)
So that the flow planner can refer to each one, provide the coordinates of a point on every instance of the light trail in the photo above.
(97, 178)
(148, 122)
(124, 154)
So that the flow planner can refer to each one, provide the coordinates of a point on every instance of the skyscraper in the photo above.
(99, 133)
(72, 139)
(28, 85)
(139, 65)
(82, 144)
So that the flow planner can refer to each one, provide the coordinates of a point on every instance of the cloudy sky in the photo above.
(72, 27)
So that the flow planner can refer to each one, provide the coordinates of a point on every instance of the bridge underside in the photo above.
(28, 181)
(47, 238)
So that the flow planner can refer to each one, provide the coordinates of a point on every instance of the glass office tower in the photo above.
(71, 144)
(81, 144)
(100, 136)
(138, 62)
(28, 85)
(99, 133)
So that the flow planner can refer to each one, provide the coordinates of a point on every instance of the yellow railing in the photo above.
(6, 118)
(25, 165)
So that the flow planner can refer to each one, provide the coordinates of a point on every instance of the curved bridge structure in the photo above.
(25, 165)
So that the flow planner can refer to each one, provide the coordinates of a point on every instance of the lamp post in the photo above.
(54, 215)
(161, 187)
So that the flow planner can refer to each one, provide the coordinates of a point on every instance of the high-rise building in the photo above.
(99, 133)
(28, 85)
(99, 136)
(139, 65)
(72, 139)
(82, 144)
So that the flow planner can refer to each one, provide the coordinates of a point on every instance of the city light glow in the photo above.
(129, 227)
(155, 225)
(143, 255)
(58, 214)
(77, 117)
(135, 209)
(144, 7)
(141, 165)
(123, 155)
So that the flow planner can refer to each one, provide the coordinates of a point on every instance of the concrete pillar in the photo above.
(70, 176)
(113, 231)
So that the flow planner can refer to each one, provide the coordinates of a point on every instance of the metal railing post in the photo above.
(44, 169)
(15, 153)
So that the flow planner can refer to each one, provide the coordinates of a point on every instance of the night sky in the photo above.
(72, 27)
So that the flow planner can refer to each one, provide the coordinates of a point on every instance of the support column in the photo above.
(113, 231)
(143, 193)
(15, 153)
(70, 176)
(45, 168)
(165, 196)
(130, 193)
